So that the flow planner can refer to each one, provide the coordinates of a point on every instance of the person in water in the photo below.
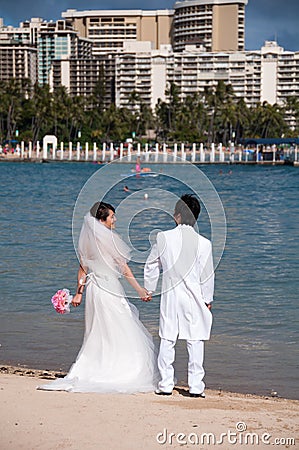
(138, 165)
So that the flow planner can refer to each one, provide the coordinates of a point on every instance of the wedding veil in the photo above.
(101, 250)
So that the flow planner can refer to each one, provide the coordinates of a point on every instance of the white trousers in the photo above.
(195, 366)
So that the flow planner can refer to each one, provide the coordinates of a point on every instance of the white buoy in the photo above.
(145, 196)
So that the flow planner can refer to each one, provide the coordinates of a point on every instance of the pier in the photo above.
(178, 153)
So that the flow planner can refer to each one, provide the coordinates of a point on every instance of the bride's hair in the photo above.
(100, 210)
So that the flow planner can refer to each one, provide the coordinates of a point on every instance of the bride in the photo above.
(117, 354)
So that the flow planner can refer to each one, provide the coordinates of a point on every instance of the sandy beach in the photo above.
(33, 419)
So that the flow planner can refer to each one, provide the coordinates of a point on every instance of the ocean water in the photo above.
(254, 344)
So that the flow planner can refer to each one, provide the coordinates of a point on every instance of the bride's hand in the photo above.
(77, 300)
(144, 295)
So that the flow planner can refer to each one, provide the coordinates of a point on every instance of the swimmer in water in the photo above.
(138, 165)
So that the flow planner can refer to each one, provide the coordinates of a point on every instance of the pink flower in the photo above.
(62, 300)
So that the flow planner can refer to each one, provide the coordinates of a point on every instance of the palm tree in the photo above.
(14, 95)
(161, 120)
(116, 123)
(40, 111)
(191, 120)
(134, 101)
(61, 105)
(243, 117)
(291, 108)
(268, 121)
(173, 100)
(146, 119)
(220, 103)
(97, 99)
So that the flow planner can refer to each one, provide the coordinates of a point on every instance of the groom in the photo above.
(185, 258)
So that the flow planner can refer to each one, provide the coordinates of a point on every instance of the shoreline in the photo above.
(23, 370)
(48, 420)
(196, 163)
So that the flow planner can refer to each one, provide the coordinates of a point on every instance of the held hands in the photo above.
(144, 295)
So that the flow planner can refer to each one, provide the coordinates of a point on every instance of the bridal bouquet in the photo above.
(62, 301)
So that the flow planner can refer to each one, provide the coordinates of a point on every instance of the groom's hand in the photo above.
(145, 295)
(148, 297)
(142, 293)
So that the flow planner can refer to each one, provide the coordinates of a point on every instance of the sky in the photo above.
(265, 19)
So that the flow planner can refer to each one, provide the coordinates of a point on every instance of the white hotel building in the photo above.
(18, 51)
(194, 45)
(143, 70)
(270, 74)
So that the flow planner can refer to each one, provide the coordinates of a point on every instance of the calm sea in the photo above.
(254, 345)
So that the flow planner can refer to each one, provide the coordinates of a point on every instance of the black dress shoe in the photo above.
(202, 395)
(158, 392)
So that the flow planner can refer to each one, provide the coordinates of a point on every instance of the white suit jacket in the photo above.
(185, 258)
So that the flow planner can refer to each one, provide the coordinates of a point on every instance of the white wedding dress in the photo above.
(118, 353)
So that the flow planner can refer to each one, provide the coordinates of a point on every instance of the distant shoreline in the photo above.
(196, 163)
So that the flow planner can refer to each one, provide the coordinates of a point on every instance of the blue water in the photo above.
(254, 345)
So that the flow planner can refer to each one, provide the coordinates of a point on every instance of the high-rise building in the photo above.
(58, 40)
(136, 68)
(129, 51)
(280, 73)
(195, 70)
(18, 53)
(269, 74)
(28, 51)
(26, 33)
(109, 29)
(80, 76)
(141, 70)
(18, 61)
(218, 25)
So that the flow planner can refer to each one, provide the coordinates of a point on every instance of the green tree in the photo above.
(173, 100)
(243, 119)
(13, 95)
(60, 106)
(191, 120)
(40, 111)
(220, 104)
(116, 124)
(268, 121)
(161, 120)
(97, 99)
(79, 117)
(291, 108)
(146, 119)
